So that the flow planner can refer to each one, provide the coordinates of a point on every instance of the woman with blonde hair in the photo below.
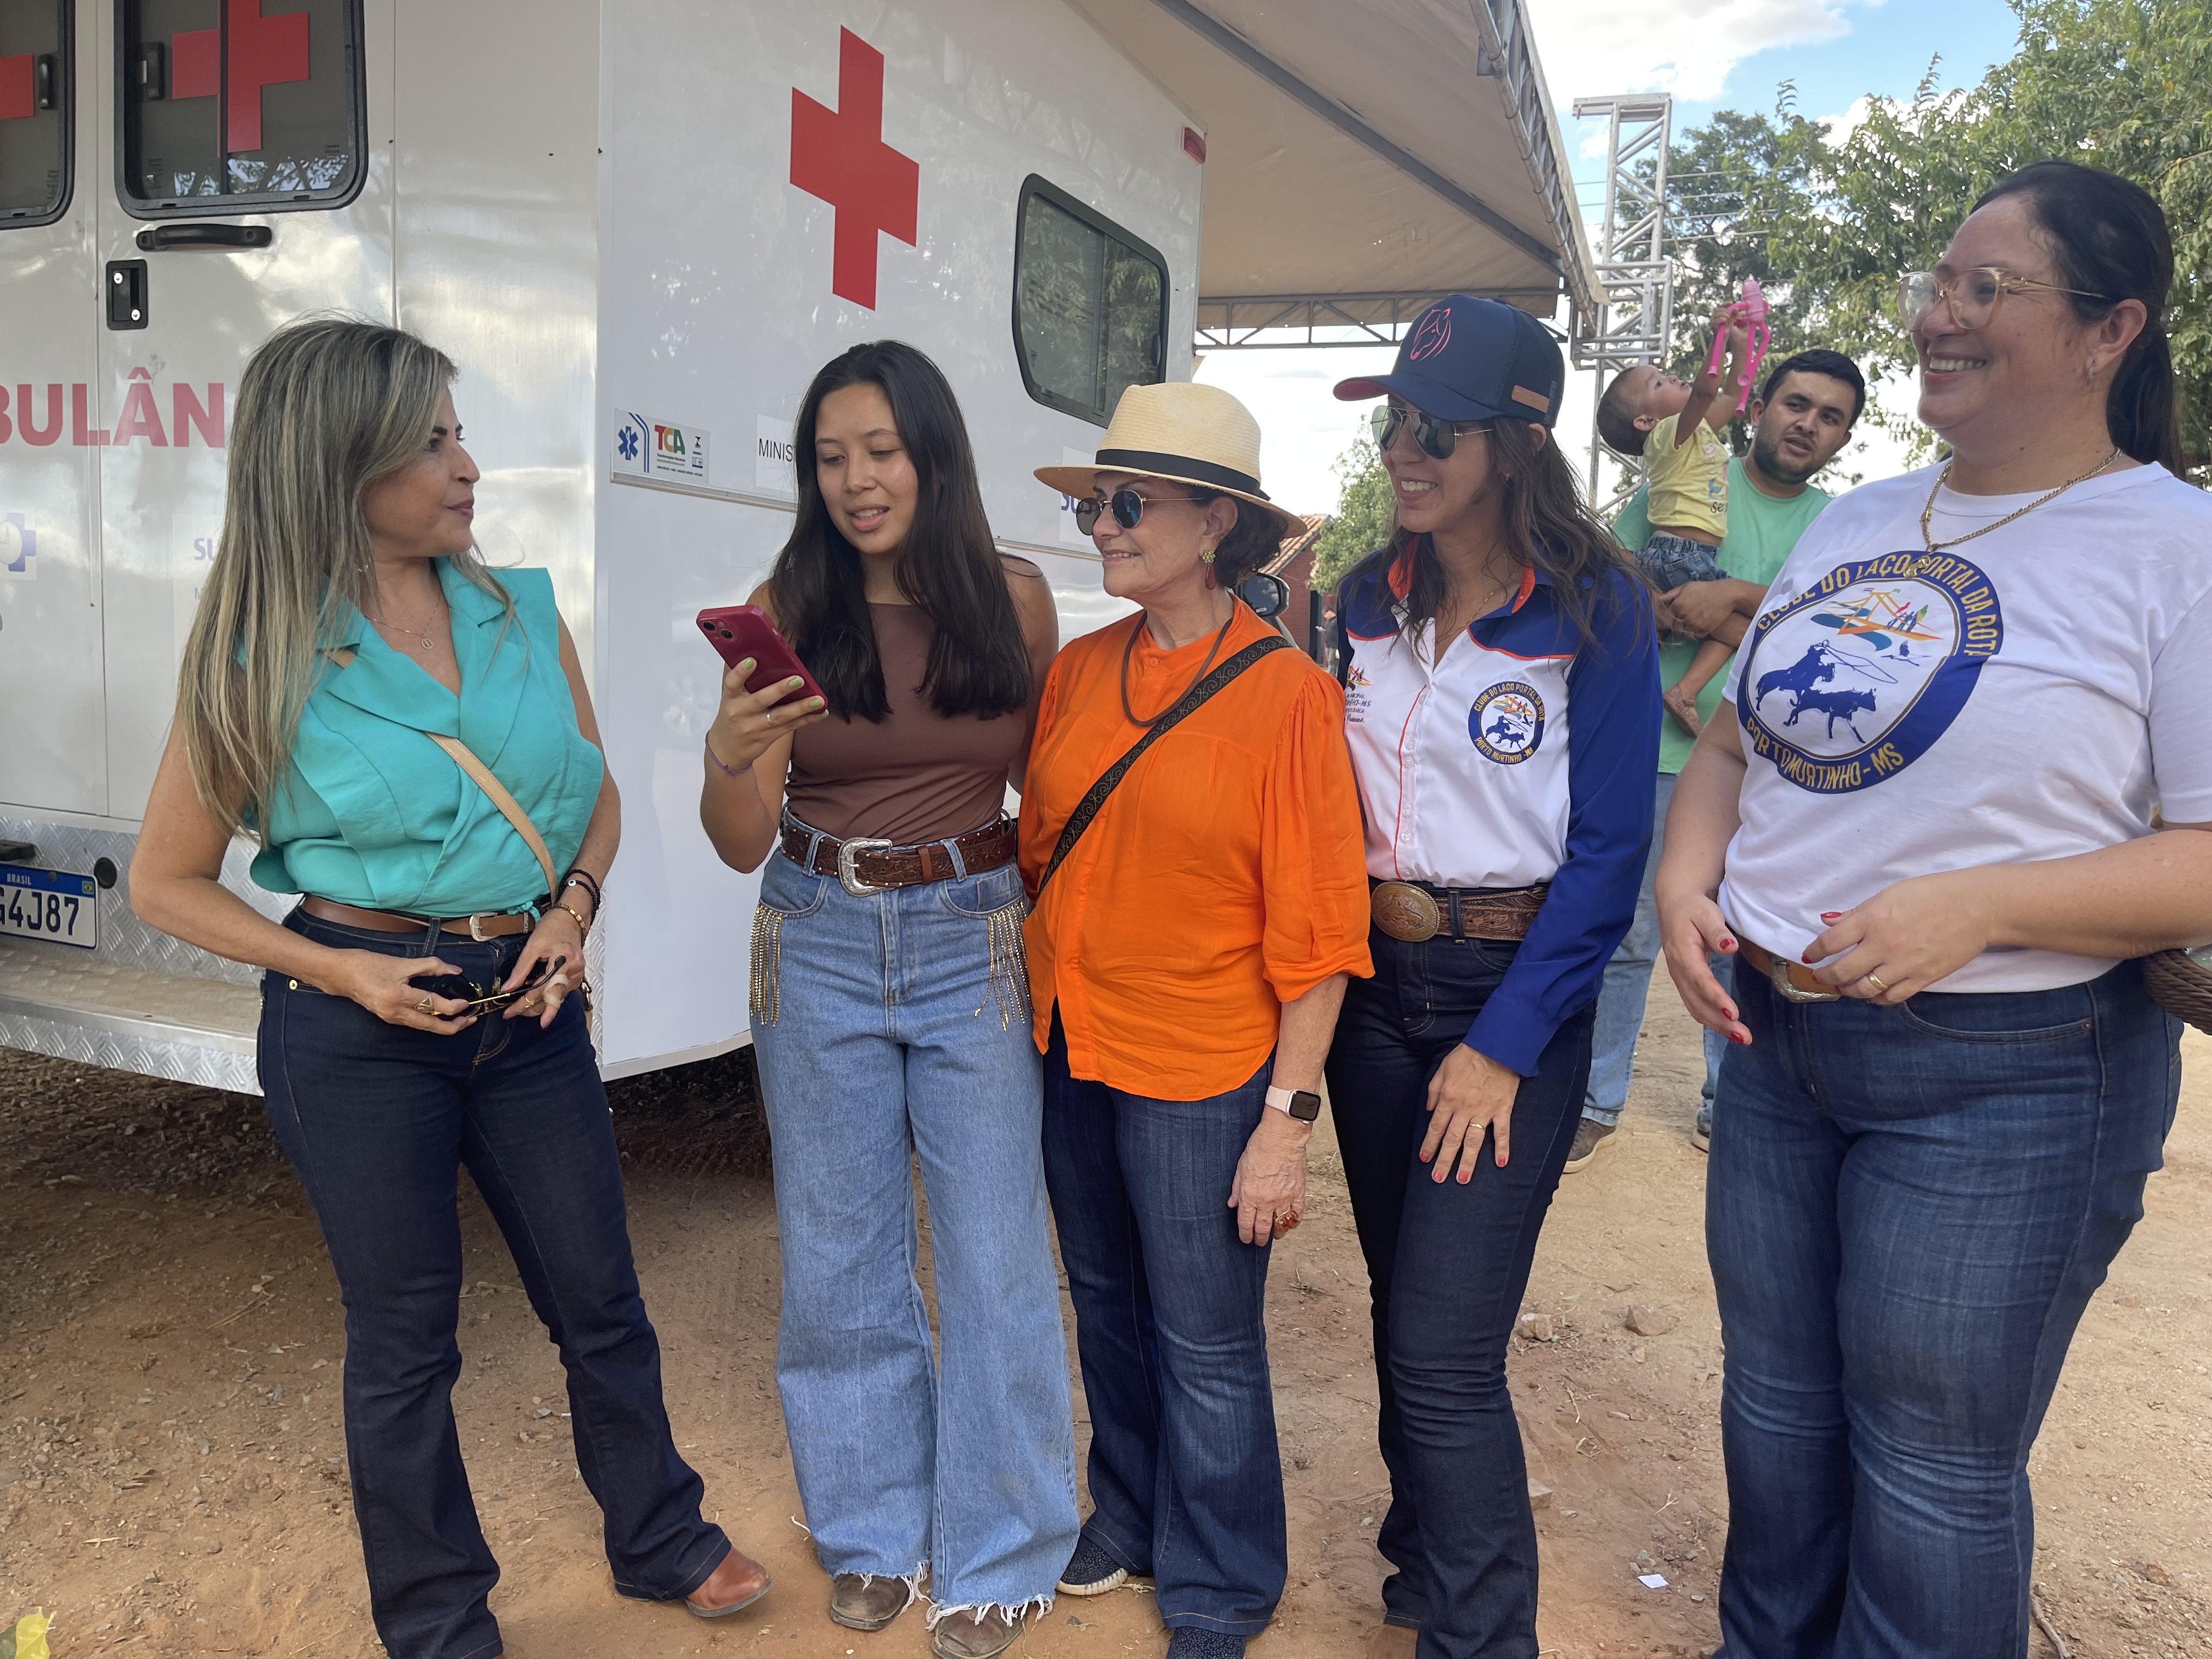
(409, 738)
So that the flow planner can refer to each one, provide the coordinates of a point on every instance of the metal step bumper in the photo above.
(86, 1007)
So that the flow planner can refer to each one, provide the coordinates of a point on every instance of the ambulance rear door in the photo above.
(52, 745)
(245, 178)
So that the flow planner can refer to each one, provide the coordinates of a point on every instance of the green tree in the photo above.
(1365, 518)
(2121, 85)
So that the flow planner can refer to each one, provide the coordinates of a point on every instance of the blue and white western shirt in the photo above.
(1525, 754)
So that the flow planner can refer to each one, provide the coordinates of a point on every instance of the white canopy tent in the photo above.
(1362, 157)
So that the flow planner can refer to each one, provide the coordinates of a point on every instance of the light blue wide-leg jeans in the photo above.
(887, 1023)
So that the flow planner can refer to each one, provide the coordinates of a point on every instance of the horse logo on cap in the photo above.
(1431, 335)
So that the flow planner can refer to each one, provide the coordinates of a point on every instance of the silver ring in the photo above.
(771, 717)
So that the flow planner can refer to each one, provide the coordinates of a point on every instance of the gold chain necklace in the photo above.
(1129, 649)
(1944, 478)
(429, 640)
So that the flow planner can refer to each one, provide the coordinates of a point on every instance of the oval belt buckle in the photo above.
(1406, 912)
(848, 875)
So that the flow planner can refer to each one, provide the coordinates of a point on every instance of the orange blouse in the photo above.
(1225, 878)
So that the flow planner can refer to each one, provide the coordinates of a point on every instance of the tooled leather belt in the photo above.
(868, 864)
(1414, 911)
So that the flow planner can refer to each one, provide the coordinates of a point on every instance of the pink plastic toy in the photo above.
(1752, 310)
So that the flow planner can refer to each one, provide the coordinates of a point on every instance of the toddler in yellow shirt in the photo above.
(1663, 418)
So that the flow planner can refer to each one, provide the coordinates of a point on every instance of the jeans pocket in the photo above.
(1995, 1019)
(989, 894)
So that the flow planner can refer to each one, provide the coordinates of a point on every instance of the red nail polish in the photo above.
(1739, 1041)
(1728, 945)
(1831, 915)
(1808, 954)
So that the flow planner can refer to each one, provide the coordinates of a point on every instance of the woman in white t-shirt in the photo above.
(1927, 825)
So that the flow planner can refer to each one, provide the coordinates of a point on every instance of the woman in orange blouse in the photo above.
(1187, 951)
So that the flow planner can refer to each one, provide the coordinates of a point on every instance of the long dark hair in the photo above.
(1547, 524)
(2110, 239)
(948, 567)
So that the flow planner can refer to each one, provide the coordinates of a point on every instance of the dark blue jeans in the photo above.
(377, 1119)
(1186, 1483)
(1907, 1211)
(1446, 1267)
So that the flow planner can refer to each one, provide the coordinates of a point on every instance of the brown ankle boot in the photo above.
(860, 1601)
(962, 1635)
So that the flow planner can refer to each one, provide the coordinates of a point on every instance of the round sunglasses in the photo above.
(1436, 438)
(1127, 506)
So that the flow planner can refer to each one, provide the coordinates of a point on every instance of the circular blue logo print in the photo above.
(1854, 679)
(1507, 722)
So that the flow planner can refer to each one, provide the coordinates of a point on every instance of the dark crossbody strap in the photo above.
(1088, 808)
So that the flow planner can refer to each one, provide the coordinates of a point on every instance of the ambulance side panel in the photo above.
(716, 308)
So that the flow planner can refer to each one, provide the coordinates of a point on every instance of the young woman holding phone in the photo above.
(890, 1015)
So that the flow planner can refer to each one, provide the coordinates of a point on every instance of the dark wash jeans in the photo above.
(1907, 1210)
(1186, 1482)
(1447, 1266)
(377, 1119)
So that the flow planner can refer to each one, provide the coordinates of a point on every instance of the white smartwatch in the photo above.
(1303, 1104)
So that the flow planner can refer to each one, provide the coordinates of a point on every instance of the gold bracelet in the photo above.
(582, 927)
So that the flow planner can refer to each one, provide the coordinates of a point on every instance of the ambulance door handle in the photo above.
(162, 238)
(126, 294)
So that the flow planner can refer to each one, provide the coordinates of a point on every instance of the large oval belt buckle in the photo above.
(1405, 911)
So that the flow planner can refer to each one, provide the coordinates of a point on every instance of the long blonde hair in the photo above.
(327, 407)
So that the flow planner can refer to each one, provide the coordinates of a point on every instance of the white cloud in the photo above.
(1687, 47)
(1841, 127)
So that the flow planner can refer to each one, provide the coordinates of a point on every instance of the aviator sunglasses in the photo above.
(482, 1001)
(1437, 439)
(1128, 507)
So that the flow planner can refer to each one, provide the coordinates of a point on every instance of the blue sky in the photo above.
(1712, 55)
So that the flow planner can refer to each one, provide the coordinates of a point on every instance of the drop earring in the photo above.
(1205, 555)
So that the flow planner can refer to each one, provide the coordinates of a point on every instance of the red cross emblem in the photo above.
(840, 156)
(17, 101)
(265, 51)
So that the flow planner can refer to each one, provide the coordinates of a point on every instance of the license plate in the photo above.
(48, 904)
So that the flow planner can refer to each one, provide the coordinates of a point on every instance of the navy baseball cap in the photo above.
(1467, 359)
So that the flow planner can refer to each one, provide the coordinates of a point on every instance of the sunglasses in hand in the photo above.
(481, 1000)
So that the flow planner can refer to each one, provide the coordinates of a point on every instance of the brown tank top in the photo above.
(915, 775)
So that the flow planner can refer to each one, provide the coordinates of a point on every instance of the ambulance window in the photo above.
(1090, 305)
(36, 83)
(231, 106)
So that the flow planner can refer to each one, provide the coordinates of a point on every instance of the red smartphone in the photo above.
(738, 631)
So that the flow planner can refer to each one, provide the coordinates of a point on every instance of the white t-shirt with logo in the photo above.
(2031, 693)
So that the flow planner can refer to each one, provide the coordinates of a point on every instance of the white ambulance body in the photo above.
(640, 227)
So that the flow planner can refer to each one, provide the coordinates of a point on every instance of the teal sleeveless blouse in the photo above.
(374, 814)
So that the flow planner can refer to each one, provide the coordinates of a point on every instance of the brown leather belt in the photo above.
(865, 864)
(485, 924)
(1414, 911)
(1792, 979)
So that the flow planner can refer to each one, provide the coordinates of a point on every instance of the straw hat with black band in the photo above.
(1182, 433)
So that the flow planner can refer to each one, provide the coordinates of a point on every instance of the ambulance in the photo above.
(640, 227)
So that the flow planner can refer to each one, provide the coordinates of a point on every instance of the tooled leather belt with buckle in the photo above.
(1414, 911)
(868, 864)
(1793, 979)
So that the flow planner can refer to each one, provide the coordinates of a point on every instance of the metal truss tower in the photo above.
(1635, 305)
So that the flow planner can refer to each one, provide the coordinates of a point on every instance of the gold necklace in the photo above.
(429, 640)
(1944, 478)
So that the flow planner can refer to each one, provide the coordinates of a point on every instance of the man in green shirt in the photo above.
(1803, 418)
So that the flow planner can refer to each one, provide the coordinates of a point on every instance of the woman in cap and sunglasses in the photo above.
(1929, 828)
(353, 674)
(1504, 712)
(1197, 911)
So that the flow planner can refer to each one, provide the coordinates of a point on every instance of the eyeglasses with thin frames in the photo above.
(1973, 295)
(1126, 504)
(1436, 438)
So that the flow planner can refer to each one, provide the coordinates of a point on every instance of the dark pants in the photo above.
(377, 1121)
(1186, 1483)
(1446, 1266)
(1907, 1211)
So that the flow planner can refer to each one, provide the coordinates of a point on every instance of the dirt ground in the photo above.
(172, 1479)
